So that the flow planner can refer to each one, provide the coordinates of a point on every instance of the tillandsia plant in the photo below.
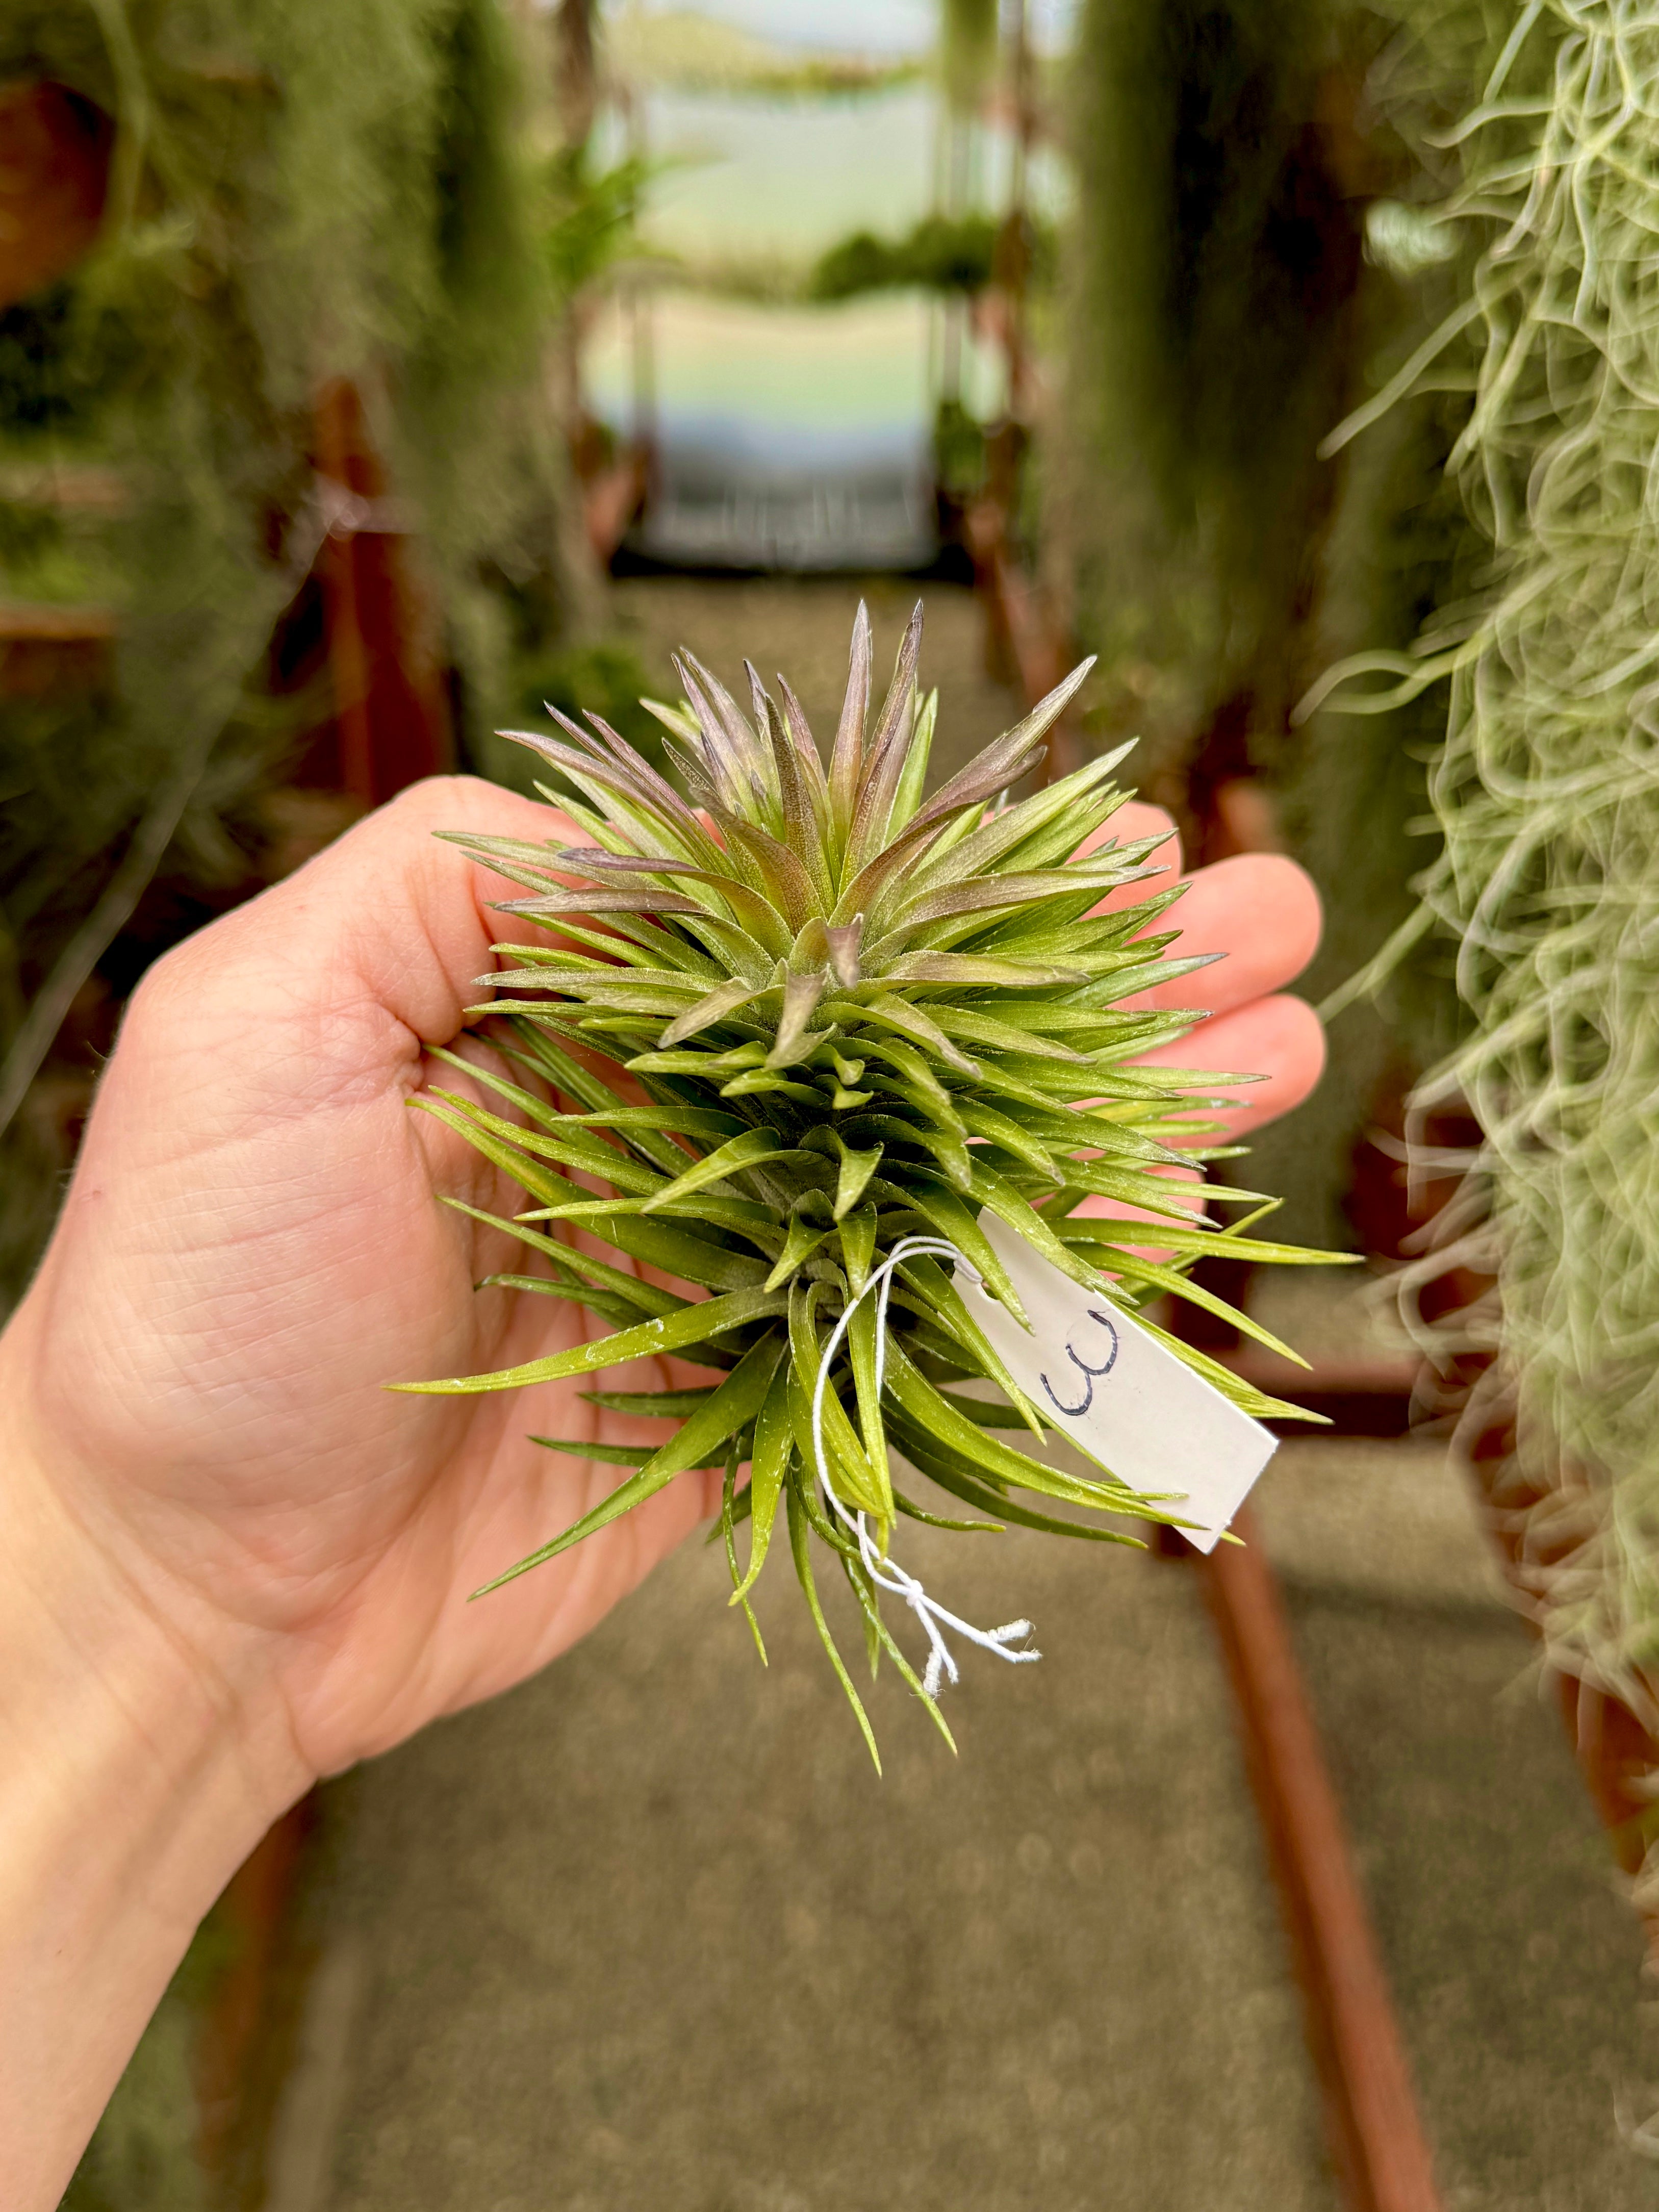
(1547, 801)
(837, 1021)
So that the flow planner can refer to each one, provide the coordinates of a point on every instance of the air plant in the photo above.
(1546, 796)
(809, 1030)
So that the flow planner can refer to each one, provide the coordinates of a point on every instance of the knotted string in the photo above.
(884, 1571)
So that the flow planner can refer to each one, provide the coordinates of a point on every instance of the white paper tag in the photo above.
(1125, 1399)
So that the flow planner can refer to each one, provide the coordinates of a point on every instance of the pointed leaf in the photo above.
(1204, 1244)
(950, 1433)
(912, 1512)
(849, 1470)
(650, 1405)
(804, 803)
(884, 763)
(801, 994)
(1006, 760)
(846, 760)
(973, 971)
(980, 1028)
(725, 749)
(675, 1332)
(804, 1238)
(862, 1354)
(809, 763)
(996, 1192)
(725, 998)
(878, 1638)
(856, 1170)
(960, 1224)
(788, 885)
(621, 1312)
(768, 1464)
(894, 1013)
(799, 1545)
(633, 1455)
(952, 1476)
(583, 1150)
(844, 941)
(729, 1519)
(858, 1246)
(908, 797)
(679, 1251)
(944, 1309)
(1067, 800)
(679, 723)
(725, 1160)
(734, 1404)
(1001, 1129)
(599, 899)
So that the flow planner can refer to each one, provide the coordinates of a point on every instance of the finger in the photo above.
(1281, 1039)
(1261, 912)
(1134, 821)
(421, 938)
(388, 920)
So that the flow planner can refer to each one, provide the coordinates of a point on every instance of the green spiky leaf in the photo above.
(811, 1014)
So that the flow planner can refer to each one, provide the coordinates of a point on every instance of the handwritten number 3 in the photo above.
(1083, 1368)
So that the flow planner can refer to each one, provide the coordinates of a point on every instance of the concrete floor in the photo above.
(649, 1932)
(803, 625)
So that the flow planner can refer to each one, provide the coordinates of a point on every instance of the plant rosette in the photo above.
(818, 1033)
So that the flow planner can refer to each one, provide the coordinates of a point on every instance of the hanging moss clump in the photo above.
(297, 194)
(1250, 256)
(1547, 797)
(1215, 255)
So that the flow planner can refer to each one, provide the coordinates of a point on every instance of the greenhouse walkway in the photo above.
(649, 1932)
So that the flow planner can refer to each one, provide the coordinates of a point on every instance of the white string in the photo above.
(883, 1570)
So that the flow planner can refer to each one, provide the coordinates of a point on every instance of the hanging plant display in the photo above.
(850, 1059)
(1545, 197)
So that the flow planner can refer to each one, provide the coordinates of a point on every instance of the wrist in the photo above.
(142, 1756)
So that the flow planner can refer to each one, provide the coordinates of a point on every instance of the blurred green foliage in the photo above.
(593, 215)
(967, 49)
(942, 253)
(298, 192)
(1223, 306)
(1212, 273)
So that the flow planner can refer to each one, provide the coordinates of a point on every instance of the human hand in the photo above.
(250, 1249)
(233, 1561)
(1261, 912)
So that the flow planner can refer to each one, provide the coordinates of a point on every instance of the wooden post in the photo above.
(54, 173)
(577, 82)
(390, 707)
(336, 567)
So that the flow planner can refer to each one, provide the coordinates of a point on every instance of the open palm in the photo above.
(252, 1248)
